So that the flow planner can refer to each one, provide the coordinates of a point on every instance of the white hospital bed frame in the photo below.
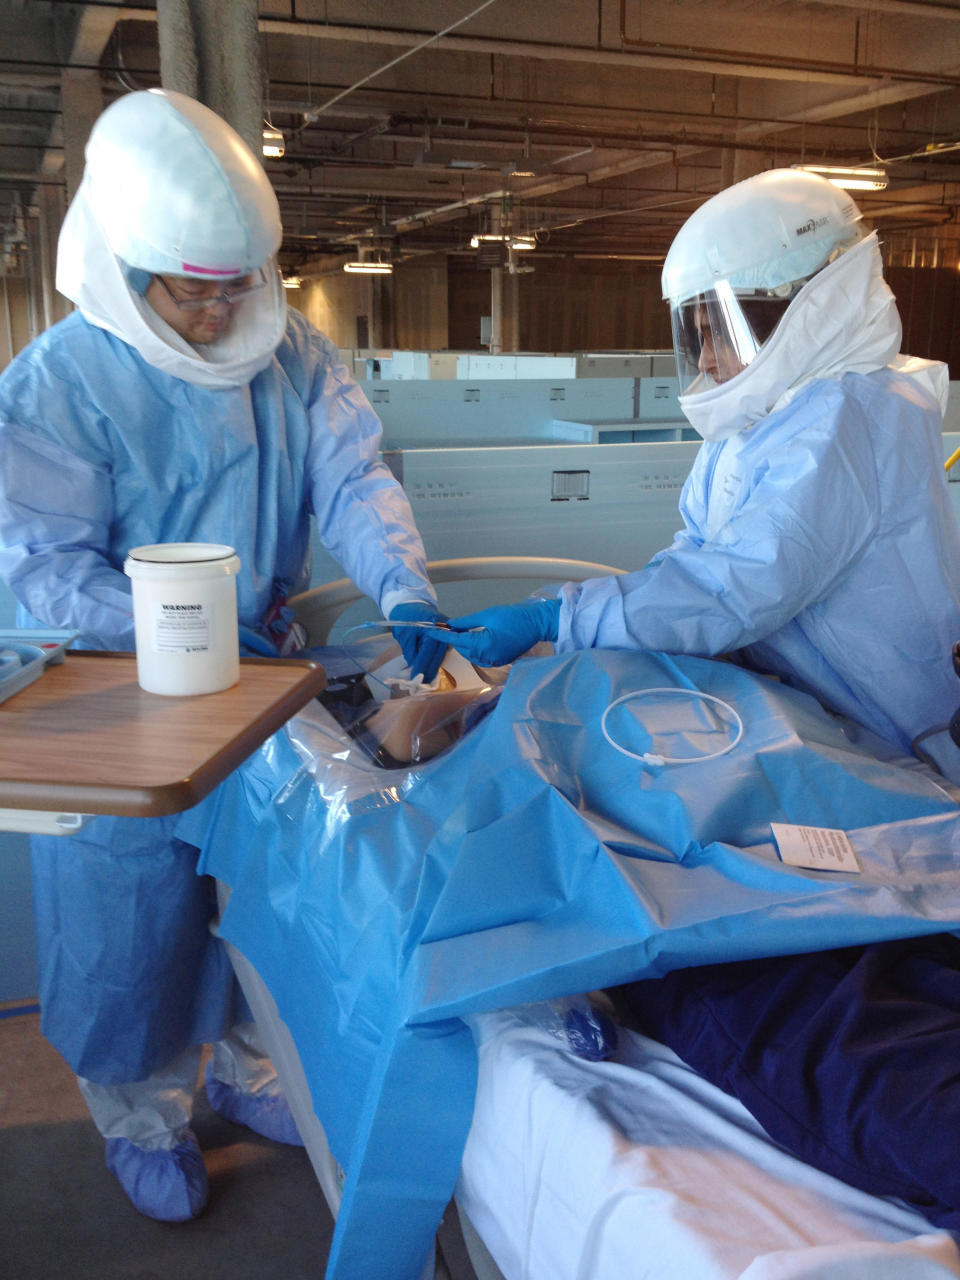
(319, 608)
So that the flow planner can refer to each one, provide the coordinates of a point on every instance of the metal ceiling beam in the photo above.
(722, 64)
(44, 80)
(905, 8)
(27, 177)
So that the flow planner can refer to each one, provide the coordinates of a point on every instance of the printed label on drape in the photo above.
(817, 848)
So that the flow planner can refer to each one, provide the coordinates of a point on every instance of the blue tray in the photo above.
(36, 650)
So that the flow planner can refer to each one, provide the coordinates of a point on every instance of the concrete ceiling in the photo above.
(625, 114)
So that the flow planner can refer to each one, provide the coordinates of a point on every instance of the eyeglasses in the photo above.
(228, 296)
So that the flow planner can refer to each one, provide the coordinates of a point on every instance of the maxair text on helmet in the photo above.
(812, 225)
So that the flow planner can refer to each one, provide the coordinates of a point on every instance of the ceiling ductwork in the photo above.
(600, 123)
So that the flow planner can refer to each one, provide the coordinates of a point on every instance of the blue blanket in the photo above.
(533, 860)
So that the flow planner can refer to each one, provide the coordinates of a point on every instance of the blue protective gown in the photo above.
(100, 452)
(820, 546)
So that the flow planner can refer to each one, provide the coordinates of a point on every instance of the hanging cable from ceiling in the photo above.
(315, 112)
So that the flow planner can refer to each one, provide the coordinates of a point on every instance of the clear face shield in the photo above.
(718, 333)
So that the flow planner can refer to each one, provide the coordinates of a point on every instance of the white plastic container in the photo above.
(185, 616)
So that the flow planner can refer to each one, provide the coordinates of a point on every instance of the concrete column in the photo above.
(496, 290)
(382, 319)
(50, 211)
(511, 312)
(8, 318)
(496, 310)
(210, 49)
(33, 278)
(82, 101)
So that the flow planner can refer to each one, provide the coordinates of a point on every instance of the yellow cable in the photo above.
(954, 457)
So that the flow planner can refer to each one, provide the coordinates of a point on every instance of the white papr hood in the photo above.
(844, 320)
(91, 275)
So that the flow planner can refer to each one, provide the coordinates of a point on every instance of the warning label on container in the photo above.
(182, 628)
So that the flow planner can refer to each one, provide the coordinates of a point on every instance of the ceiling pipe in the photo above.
(865, 101)
(532, 190)
(536, 190)
(453, 210)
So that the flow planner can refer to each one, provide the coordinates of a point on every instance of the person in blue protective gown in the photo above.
(818, 542)
(817, 545)
(180, 402)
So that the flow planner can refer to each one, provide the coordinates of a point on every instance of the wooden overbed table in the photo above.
(86, 739)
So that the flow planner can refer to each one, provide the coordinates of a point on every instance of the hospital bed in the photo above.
(628, 1168)
(633, 1166)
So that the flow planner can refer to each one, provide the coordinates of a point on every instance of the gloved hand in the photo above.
(494, 637)
(423, 650)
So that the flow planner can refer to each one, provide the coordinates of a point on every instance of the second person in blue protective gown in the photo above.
(818, 545)
(180, 403)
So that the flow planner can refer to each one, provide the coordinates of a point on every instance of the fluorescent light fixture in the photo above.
(430, 157)
(362, 268)
(364, 265)
(290, 282)
(851, 178)
(521, 242)
(523, 167)
(273, 144)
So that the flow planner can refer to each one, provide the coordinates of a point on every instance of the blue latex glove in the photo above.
(422, 650)
(494, 637)
(252, 642)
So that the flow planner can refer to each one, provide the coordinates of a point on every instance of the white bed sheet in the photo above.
(638, 1167)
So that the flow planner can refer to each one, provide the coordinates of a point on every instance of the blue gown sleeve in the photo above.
(363, 517)
(56, 509)
(809, 509)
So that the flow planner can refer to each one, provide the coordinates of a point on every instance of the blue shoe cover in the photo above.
(169, 1185)
(268, 1114)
